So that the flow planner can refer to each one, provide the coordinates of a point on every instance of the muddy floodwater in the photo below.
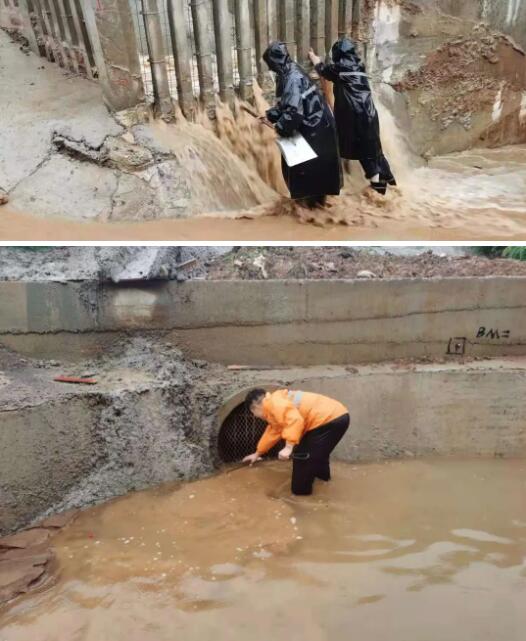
(478, 194)
(397, 551)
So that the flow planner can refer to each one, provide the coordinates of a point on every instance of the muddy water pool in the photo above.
(395, 551)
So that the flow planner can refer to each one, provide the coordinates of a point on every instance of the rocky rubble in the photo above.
(114, 264)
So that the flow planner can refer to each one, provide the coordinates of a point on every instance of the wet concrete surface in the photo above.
(65, 155)
(400, 551)
(38, 99)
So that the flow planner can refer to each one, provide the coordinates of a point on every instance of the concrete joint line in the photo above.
(454, 310)
(318, 321)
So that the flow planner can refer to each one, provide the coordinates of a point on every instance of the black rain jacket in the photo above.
(354, 109)
(302, 108)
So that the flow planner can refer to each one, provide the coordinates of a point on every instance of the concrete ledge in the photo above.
(275, 322)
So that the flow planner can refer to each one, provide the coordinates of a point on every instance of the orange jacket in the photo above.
(292, 413)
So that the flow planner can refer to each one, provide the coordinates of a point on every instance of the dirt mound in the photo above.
(343, 262)
(488, 72)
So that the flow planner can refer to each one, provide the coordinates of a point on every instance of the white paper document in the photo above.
(296, 150)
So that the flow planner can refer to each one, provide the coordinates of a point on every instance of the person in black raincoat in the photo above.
(356, 116)
(301, 108)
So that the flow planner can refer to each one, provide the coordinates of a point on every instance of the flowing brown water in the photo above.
(475, 195)
(399, 551)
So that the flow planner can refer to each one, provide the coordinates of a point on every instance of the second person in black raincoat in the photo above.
(302, 109)
(355, 113)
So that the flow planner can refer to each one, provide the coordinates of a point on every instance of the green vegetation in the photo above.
(516, 253)
(490, 252)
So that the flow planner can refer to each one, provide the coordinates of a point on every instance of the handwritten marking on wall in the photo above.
(493, 334)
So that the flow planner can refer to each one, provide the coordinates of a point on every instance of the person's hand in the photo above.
(313, 57)
(252, 458)
(285, 453)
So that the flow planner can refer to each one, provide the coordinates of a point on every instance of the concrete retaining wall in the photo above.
(424, 410)
(434, 412)
(273, 322)
(44, 451)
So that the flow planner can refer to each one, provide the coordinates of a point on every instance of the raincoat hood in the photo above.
(277, 57)
(344, 49)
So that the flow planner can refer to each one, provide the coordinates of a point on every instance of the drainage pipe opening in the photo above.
(239, 435)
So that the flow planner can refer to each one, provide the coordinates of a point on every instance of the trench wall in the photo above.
(273, 322)
(432, 412)
(70, 452)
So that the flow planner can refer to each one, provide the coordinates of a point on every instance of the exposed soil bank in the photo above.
(459, 76)
(261, 263)
(381, 552)
(120, 264)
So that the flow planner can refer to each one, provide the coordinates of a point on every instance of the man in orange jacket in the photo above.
(311, 426)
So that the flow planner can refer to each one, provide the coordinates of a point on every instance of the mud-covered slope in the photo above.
(458, 67)
(146, 421)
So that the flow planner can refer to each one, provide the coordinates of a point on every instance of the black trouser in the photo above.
(379, 165)
(310, 459)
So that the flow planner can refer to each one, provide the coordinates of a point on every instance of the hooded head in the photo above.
(344, 48)
(277, 56)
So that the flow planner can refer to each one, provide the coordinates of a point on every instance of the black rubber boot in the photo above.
(311, 202)
(380, 187)
(323, 471)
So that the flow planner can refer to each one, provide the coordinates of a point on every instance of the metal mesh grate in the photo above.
(239, 435)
